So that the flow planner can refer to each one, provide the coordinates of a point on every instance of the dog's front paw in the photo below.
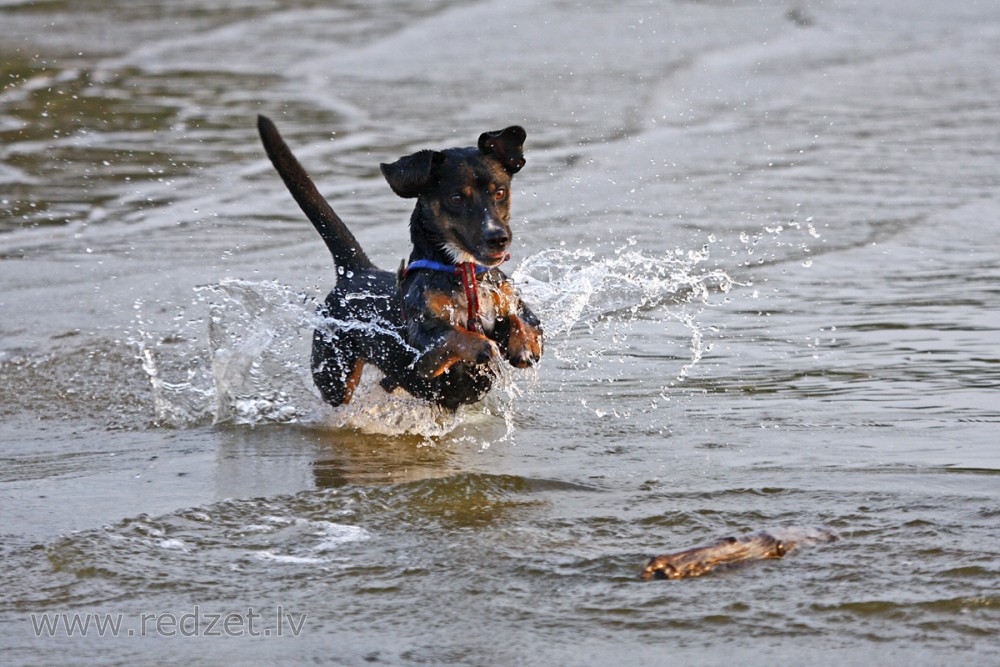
(488, 352)
(524, 347)
(525, 359)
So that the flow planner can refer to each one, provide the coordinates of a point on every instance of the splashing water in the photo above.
(256, 332)
(247, 366)
(253, 367)
(574, 288)
(181, 380)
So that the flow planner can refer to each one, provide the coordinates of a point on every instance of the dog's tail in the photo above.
(346, 250)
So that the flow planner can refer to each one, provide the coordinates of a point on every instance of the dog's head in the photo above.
(463, 194)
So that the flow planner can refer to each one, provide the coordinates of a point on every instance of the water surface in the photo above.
(762, 236)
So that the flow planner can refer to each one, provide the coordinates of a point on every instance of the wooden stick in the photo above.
(773, 543)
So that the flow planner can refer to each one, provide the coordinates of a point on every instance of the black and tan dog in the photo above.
(439, 327)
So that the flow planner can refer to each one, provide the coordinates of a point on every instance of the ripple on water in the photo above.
(496, 539)
(193, 549)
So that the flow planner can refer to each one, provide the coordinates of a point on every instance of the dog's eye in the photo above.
(455, 199)
(500, 194)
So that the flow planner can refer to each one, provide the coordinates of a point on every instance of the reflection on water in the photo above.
(360, 459)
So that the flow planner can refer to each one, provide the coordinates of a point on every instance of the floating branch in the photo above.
(763, 545)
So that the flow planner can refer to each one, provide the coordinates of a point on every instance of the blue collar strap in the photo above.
(438, 266)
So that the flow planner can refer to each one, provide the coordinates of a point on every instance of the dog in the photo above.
(440, 326)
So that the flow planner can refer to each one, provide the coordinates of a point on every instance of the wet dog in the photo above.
(441, 325)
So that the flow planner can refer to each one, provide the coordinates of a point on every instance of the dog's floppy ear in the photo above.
(506, 145)
(410, 176)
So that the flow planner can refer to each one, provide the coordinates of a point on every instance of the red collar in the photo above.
(468, 272)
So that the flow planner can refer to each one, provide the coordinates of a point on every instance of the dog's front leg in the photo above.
(436, 328)
(524, 344)
(518, 329)
(454, 346)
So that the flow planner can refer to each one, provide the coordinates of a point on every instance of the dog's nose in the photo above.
(497, 238)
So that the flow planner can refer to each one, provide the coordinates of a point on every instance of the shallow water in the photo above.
(763, 238)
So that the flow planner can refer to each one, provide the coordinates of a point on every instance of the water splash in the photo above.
(251, 366)
(574, 286)
(257, 333)
(178, 372)
(246, 366)
(575, 289)
(374, 411)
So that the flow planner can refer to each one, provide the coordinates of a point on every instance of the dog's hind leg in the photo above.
(336, 369)
(352, 380)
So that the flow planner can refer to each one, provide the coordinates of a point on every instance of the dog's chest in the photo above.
(489, 302)
(488, 311)
(494, 299)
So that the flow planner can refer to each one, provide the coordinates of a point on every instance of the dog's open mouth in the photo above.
(460, 252)
(495, 258)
